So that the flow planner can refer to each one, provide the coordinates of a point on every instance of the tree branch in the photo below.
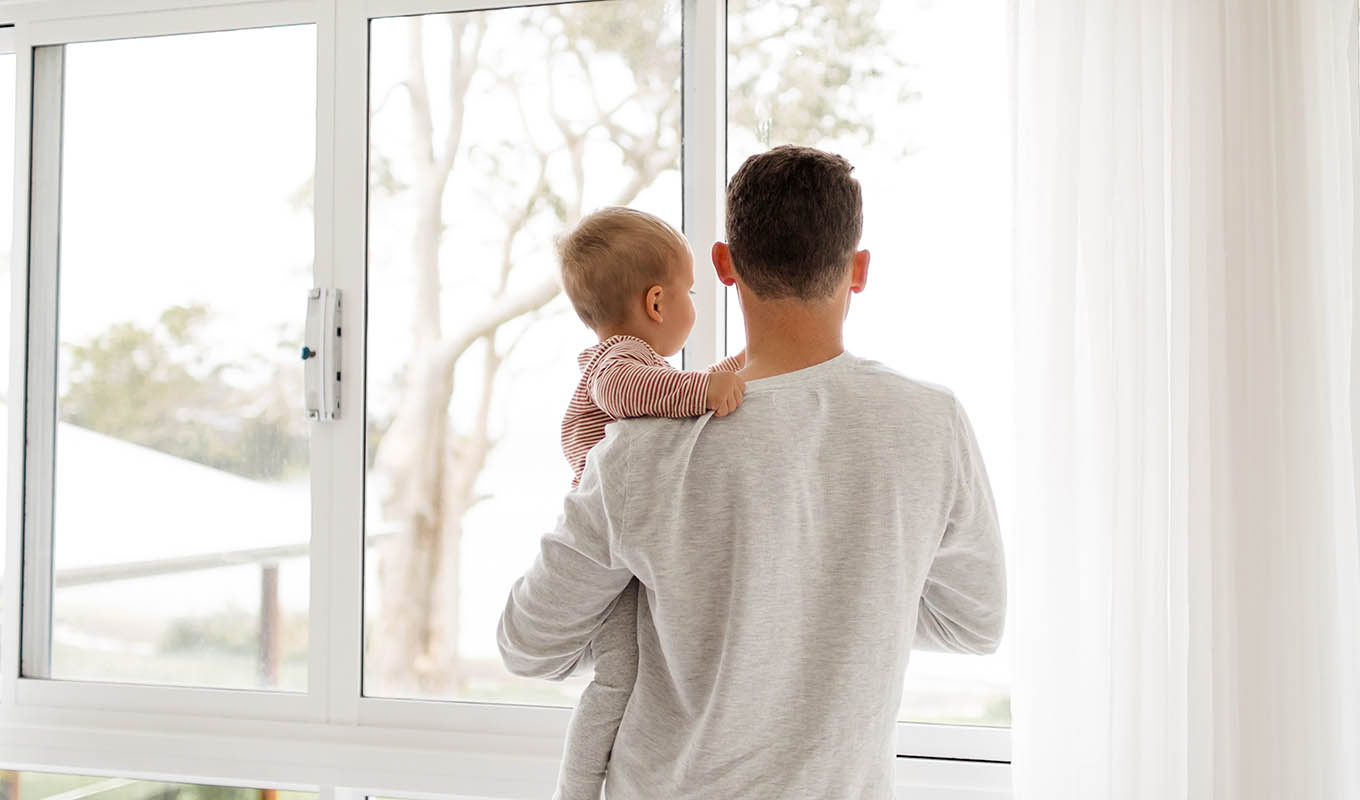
(513, 86)
(422, 126)
(387, 97)
(460, 78)
(517, 224)
(574, 141)
(497, 314)
(490, 366)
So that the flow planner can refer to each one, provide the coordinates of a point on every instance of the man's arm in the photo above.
(963, 604)
(627, 384)
(559, 605)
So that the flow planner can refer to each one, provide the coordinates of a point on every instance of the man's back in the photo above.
(783, 553)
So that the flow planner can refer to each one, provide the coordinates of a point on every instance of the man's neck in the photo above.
(783, 337)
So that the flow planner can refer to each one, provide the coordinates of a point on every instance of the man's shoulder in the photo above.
(875, 378)
(641, 434)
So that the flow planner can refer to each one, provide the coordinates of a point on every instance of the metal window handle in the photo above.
(321, 356)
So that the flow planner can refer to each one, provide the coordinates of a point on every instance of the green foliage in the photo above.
(160, 387)
(234, 631)
(642, 34)
(797, 69)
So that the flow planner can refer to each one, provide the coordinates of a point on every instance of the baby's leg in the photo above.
(596, 721)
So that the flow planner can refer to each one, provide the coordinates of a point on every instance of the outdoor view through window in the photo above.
(491, 132)
(181, 514)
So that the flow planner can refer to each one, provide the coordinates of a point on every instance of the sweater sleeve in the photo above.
(963, 603)
(562, 602)
(626, 383)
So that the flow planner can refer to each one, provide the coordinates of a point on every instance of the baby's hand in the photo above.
(725, 392)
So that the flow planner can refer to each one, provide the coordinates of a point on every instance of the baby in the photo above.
(630, 277)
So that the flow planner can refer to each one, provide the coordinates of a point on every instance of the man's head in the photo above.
(627, 271)
(794, 218)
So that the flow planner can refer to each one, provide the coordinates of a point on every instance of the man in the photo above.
(789, 554)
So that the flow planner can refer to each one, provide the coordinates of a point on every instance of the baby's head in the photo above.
(628, 272)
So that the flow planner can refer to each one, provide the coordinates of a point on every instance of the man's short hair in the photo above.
(794, 219)
(611, 257)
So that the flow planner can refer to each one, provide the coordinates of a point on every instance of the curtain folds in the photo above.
(1186, 571)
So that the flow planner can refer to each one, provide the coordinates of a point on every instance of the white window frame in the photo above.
(330, 738)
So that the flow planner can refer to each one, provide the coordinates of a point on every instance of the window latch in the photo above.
(321, 356)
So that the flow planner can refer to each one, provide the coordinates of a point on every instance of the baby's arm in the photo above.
(730, 364)
(628, 384)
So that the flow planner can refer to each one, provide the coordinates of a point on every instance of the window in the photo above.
(914, 95)
(180, 507)
(489, 133)
(206, 590)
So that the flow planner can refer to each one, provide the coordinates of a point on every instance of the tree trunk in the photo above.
(412, 459)
(430, 470)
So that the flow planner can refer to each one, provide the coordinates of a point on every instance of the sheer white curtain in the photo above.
(1185, 569)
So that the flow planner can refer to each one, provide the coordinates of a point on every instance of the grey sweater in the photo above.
(790, 556)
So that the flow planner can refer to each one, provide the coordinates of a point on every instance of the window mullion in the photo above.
(10, 626)
(48, 67)
(341, 587)
(323, 434)
(703, 167)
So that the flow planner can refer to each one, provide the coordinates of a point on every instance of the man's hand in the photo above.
(725, 391)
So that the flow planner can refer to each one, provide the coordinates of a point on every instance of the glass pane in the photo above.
(43, 785)
(182, 496)
(490, 133)
(914, 95)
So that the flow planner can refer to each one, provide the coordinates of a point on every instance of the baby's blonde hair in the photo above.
(611, 256)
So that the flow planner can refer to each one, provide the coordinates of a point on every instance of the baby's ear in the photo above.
(653, 303)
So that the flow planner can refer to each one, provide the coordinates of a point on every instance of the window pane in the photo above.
(490, 133)
(181, 515)
(43, 785)
(914, 95)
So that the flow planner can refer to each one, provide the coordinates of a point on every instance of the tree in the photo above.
(160, 387)
(814, 50)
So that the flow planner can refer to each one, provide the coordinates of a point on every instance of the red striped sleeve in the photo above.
(625, 385)
(624, 377)
(729, 364)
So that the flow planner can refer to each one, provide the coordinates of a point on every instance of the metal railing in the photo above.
(268, 559)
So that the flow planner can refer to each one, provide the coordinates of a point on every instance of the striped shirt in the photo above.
(624, 377)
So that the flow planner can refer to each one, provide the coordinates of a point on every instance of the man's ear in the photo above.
(859, 271)
(722, 263)
(653, 303)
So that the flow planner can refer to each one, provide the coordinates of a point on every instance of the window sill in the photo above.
(353, 760)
